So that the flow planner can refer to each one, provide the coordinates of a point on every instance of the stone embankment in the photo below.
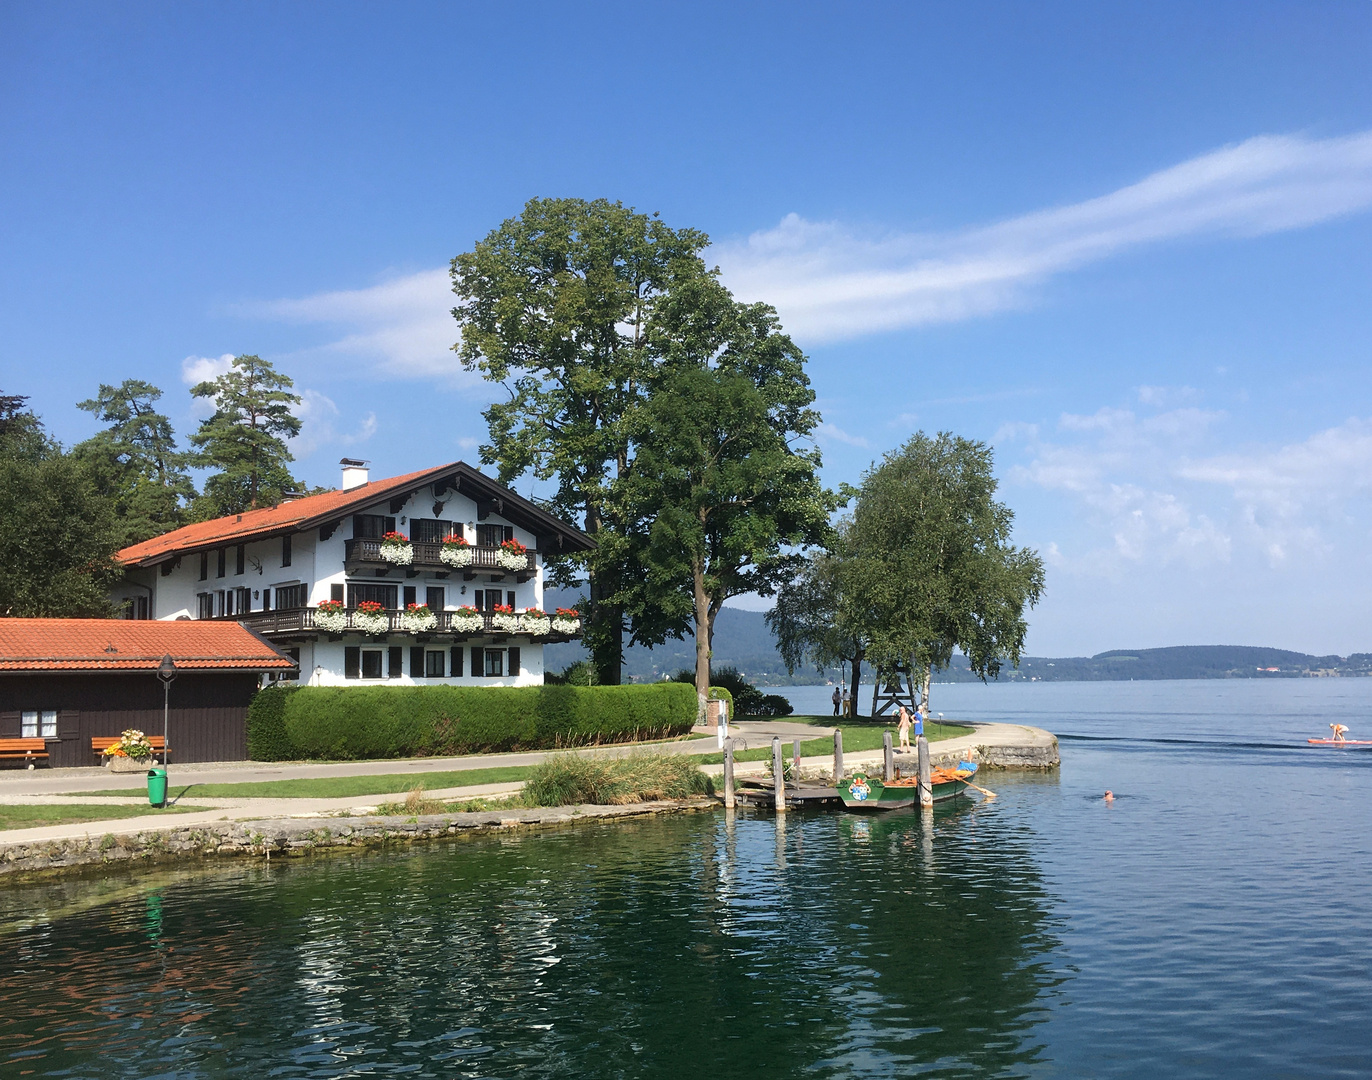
(302, 836)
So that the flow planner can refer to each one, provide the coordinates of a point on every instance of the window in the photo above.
(380, 594)
(204, 566)
(429, 530)
(372, 526)
(286, 550)
(493, 535)
(219, 564)
(434, 665)
(456, 659)
(395, 662)
(495, 663)
(228, 601)
(352, 661)
(371, 663)
(204, 603)
(243, 601)
(135, 607)
(291, 596)
(219, 601)
(266, 599)
(38, 724)
(294, 654)
(238, 554)
(514, 660)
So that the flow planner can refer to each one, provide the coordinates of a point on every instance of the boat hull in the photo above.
(868, 794)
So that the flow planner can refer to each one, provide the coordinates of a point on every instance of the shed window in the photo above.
(371, 663)
(38, 724)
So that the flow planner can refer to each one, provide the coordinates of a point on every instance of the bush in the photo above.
(744, 698)
(775, 705)
(581, 673)
(571, 778)
(267, 738)
(415, 721)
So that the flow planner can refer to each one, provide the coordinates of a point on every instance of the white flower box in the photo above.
(566, 625)
(455, 555)
(510, 561)
(418, 622)
(393, 551)
(333, 622)
(508, 623)
(467, 624)
(535, 626)
(375, 623)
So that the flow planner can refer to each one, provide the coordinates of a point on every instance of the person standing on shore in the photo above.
(837, 699)
(846, 700)
(919, 721)
(904, 728)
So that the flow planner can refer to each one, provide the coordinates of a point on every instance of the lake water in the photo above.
(1211, 922)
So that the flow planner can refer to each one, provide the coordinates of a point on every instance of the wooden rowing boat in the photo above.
(865, 793)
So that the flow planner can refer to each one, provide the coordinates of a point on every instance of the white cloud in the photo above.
(834, 433)
(829, 282)
(198, 369)
(404, 324)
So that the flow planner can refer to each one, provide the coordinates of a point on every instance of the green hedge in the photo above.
(416, 721)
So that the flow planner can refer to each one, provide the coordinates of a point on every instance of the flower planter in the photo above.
(371, 622)
(333, 622)
(397, 553)
(456, 555)
(510, 560)
(418, 622)
(536, 626)
(509, 624)
(566, 626)
(121, 764)
(467, 624)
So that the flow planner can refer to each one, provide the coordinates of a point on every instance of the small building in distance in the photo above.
(431, 577)
(68, 681)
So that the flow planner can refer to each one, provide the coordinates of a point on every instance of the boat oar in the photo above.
(985, 791)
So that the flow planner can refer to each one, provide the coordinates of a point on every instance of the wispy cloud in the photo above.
(834, 433)
(831, 282)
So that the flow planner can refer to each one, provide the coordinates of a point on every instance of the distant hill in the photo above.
(743, 640)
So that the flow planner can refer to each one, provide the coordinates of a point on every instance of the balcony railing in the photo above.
(427, 556)
(303, 621)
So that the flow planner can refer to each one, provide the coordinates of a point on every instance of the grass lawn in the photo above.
(859, 736)
(328, 787)
(33, 817)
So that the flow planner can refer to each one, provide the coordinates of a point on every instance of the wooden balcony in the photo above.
(366, 555)
(297, 624)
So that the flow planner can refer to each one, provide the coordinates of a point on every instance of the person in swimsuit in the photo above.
(1109, 796)
(904, 728)
(1339, 732)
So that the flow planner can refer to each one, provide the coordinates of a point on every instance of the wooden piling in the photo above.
(838, 754)
(926, 783)
(778, 775)
(795, 758)
(728, 774)
(888, 758)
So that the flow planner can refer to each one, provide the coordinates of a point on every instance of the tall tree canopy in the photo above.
(134, 461)
(558, 305)
(725, 482)
(57, 537)
(932, 568)
(244, 441)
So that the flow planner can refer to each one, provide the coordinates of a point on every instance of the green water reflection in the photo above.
(829, 946)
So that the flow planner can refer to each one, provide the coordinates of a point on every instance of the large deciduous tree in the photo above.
(134, 461)
(557, 305)
(724, 482)
(931, 565)
(244, 441)
(57, 537)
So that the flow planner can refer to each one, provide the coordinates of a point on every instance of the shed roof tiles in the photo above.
(128, 645)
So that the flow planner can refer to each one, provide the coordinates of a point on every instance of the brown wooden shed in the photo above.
(71, 680)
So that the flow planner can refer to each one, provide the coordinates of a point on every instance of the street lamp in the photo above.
(166, 671)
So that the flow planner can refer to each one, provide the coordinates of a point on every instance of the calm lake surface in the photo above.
(1212, 922)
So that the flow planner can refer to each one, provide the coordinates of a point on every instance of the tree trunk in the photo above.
(604, 621)
(927, 680)
(704, 628)
(857, 681)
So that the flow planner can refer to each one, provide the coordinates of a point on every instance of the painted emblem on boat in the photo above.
(859, 788)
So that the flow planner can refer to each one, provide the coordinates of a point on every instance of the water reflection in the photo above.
(834, 946)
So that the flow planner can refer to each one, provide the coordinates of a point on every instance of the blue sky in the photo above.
(1127, 244)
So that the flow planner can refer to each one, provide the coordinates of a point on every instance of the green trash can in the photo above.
(157, 786)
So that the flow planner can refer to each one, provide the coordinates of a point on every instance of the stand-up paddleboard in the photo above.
(1339, 742)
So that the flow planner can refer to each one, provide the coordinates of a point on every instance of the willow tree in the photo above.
(724, 484)
(931, 564)
(557, 306)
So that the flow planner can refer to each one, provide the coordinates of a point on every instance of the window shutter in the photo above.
(266, 599)
(204, 566)
(510, 598)
(417, 662)
(395, 659)
(286, 550)
(509, 532)
(514, 659)
(336, 593)
(68, 724)
(478, 661)
(219, 564)
(479, 600)
(238, 559)
(352, 662)
(409, 595)
(456, 662)
(390, 524)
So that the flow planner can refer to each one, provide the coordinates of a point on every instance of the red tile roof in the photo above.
(128, 645)
(290, 516)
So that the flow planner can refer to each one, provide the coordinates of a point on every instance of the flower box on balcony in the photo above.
(512, 555)
(535, 622)
(467, 620)
(330, 616)
(418, 619)
(396, 548)
(456, 551)
(371, 618)
(566, 621)
(504, 619)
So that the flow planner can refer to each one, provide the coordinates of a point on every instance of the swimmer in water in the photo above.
(1109, 796)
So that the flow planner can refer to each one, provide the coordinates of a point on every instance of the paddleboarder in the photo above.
(1340, 731)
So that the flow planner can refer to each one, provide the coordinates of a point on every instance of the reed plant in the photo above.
(566, 779)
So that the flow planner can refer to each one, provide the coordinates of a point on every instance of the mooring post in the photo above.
(795, 758)
(778, 774)
(838, 754)
(728, 774)
(926, 783)
(888, 758)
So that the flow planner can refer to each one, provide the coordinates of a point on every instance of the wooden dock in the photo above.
(762, 793)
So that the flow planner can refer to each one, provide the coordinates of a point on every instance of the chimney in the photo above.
(354, 473)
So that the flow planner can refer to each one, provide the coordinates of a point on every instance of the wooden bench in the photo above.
(27, 750)
(101, 743)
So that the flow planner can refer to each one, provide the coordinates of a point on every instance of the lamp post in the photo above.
(166, 671)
